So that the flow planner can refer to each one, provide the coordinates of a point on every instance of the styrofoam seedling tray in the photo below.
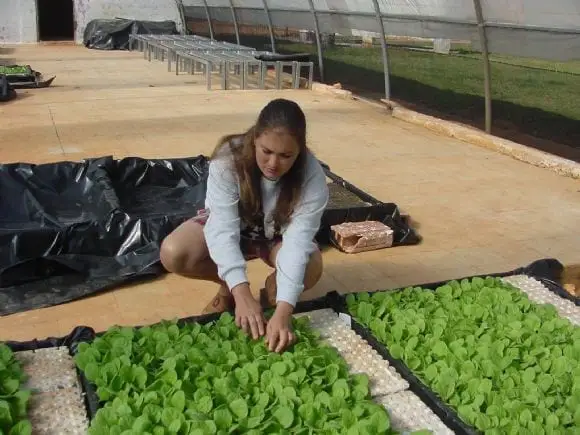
(409, 413)
(319, 315)
(362, 358)
(327, 323)
(383, 378)
(58, 413)
(538, 293)
(357, 353)
(344, 339)
(49, 369)
(332, 328)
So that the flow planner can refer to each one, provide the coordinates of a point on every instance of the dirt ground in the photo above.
(479, 211)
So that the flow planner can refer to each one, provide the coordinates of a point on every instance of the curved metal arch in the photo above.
(383, 49)
(269, 18)
(210, 24)
(235, 20)
(318, 40)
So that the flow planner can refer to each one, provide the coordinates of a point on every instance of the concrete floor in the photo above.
(478, 211)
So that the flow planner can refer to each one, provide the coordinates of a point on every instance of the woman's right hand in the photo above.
(249, 314)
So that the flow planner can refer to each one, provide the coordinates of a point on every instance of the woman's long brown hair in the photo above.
(279, 113)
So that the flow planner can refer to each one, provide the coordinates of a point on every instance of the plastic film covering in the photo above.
(517, 27)
(72, 229)
(114, 34)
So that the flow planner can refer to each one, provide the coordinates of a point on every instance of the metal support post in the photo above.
(269, 18)
(181, 11)
(235, 20)
(384, 48)
(206, 7)
(318, 41)
(486, 64)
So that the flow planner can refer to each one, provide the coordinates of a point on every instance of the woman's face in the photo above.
(276, 152)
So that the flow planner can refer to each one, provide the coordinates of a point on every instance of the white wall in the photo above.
(18, 21)
(150, 10)
(18, 17)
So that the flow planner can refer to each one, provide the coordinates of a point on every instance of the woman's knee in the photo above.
(313, 270)
(182, 249)
(173, 256)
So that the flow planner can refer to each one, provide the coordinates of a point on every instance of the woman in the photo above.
(266, 193)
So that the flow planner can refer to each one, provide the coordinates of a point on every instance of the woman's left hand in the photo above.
(279, 333)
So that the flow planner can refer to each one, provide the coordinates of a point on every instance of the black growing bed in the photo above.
(548, 271)
(92, 400)
(72, 229)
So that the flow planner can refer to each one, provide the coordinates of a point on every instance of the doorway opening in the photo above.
(55, 20)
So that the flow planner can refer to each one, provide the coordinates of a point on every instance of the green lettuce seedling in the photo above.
(505, 364)
(13, 399)
(213, 379)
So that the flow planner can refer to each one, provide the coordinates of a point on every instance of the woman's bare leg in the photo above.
(185, 253)
(312, 274)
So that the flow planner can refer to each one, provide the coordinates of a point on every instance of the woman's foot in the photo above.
(223, 301)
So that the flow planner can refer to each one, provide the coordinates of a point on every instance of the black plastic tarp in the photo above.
(114, 34)
(72, 229)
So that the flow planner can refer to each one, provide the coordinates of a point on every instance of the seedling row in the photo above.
(502, 362)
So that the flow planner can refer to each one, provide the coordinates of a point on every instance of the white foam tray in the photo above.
(358, 354)
(58, 413)
(57, 403)
(48, 369)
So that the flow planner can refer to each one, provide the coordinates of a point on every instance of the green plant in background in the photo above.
(14, 69)
(505, 364)
(213, 379)
(13, 400)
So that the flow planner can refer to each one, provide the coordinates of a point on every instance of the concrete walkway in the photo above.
(478, 211)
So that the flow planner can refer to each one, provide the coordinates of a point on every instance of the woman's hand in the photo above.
(249, 314)
(279, 334)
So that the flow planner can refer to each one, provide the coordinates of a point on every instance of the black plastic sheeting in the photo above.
(78, 335)
(546, 271)
(114, 34)
(7, 92)
(73, 229)
(274, 57)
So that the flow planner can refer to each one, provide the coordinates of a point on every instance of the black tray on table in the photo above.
(348, 203)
